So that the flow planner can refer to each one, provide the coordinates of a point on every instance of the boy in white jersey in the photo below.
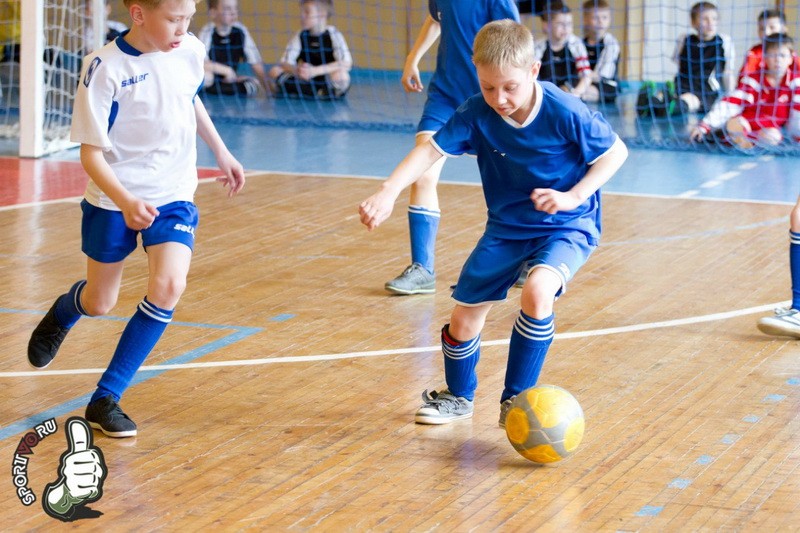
(543, 156)
(136, 117)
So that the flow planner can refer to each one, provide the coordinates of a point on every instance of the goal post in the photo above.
(52, 45)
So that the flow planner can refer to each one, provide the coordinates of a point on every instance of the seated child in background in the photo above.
(565, 61)
(704, 58)
(763, 103)
(113, 28)
(603, 49)
(770, 21)
(229, 44)
(317, 61)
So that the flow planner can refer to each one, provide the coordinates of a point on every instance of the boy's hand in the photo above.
(551, 201)
(305, 71)
(138, 214)
(234, 173)
(377, 208)
(411, 80)
(697, 133)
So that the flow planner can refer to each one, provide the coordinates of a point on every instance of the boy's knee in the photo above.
(98, 306)
(166, 291)
(770, 136)
(539, 293)
(794, 218)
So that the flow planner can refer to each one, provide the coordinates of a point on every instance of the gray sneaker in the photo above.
(504, 408)
(442, 408)
(785, 322)
(414, 280)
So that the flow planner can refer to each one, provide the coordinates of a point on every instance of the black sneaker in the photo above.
(46, 339)
(105, 414)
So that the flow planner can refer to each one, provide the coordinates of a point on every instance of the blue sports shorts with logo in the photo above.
(495, 264)
(106, 239)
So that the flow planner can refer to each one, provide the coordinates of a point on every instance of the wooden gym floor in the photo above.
(282, 396)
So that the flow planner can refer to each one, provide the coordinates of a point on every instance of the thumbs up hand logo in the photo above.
(82, 471)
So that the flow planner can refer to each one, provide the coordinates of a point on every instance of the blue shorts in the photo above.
(438, 110)
(495, 264)
(106, 239)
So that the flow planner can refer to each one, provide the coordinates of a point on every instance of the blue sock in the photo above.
(137, 341)
(794, 266)
(423, 225)
(530, 340)
(460, 360)
(68, 306)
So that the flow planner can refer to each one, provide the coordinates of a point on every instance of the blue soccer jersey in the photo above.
(552, 149)
(455, 79)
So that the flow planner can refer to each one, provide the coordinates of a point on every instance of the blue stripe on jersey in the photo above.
(794, 237)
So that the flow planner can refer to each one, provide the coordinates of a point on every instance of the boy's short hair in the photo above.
(151, 4)
(772, 14)
(595, 4)
(556, 7)
(213, 4)
(326, 4)
(776, 40)
(504, 43)
(699, 7)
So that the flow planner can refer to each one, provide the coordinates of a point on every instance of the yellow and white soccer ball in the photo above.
(545, 424)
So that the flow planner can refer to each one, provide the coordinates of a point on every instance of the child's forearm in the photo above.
(411, 168)
(207, 131)
(601, 171)
(102, 175)
(428, 34)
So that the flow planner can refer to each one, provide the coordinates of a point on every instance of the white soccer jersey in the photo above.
(139, 108)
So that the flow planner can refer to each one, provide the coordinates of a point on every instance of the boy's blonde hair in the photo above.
(504, 43)
(150, 4)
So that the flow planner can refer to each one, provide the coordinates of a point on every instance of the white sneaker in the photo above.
(442, 408)
(785, 321)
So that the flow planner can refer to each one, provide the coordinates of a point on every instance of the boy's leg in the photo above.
(532, 333)
(554, 264)
(460, 360)
(787, 321)
(168, 267)
(46, 339)
(104, 236)
(423, 226)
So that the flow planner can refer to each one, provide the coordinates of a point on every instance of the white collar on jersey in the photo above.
(537, 105)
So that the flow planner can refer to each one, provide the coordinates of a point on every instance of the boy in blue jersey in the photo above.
(141, 183)
(786, 321)
(543, 156)
(457, 23)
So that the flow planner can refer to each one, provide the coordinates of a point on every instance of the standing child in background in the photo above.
(705, 61)
(565, 61)
(229, 44)
(113, 28)
(770, 22)
(155, 117)
(543, 156)
(764, 102)
(453, 81)
(603, 51)
(317, 61)
(786, 321)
